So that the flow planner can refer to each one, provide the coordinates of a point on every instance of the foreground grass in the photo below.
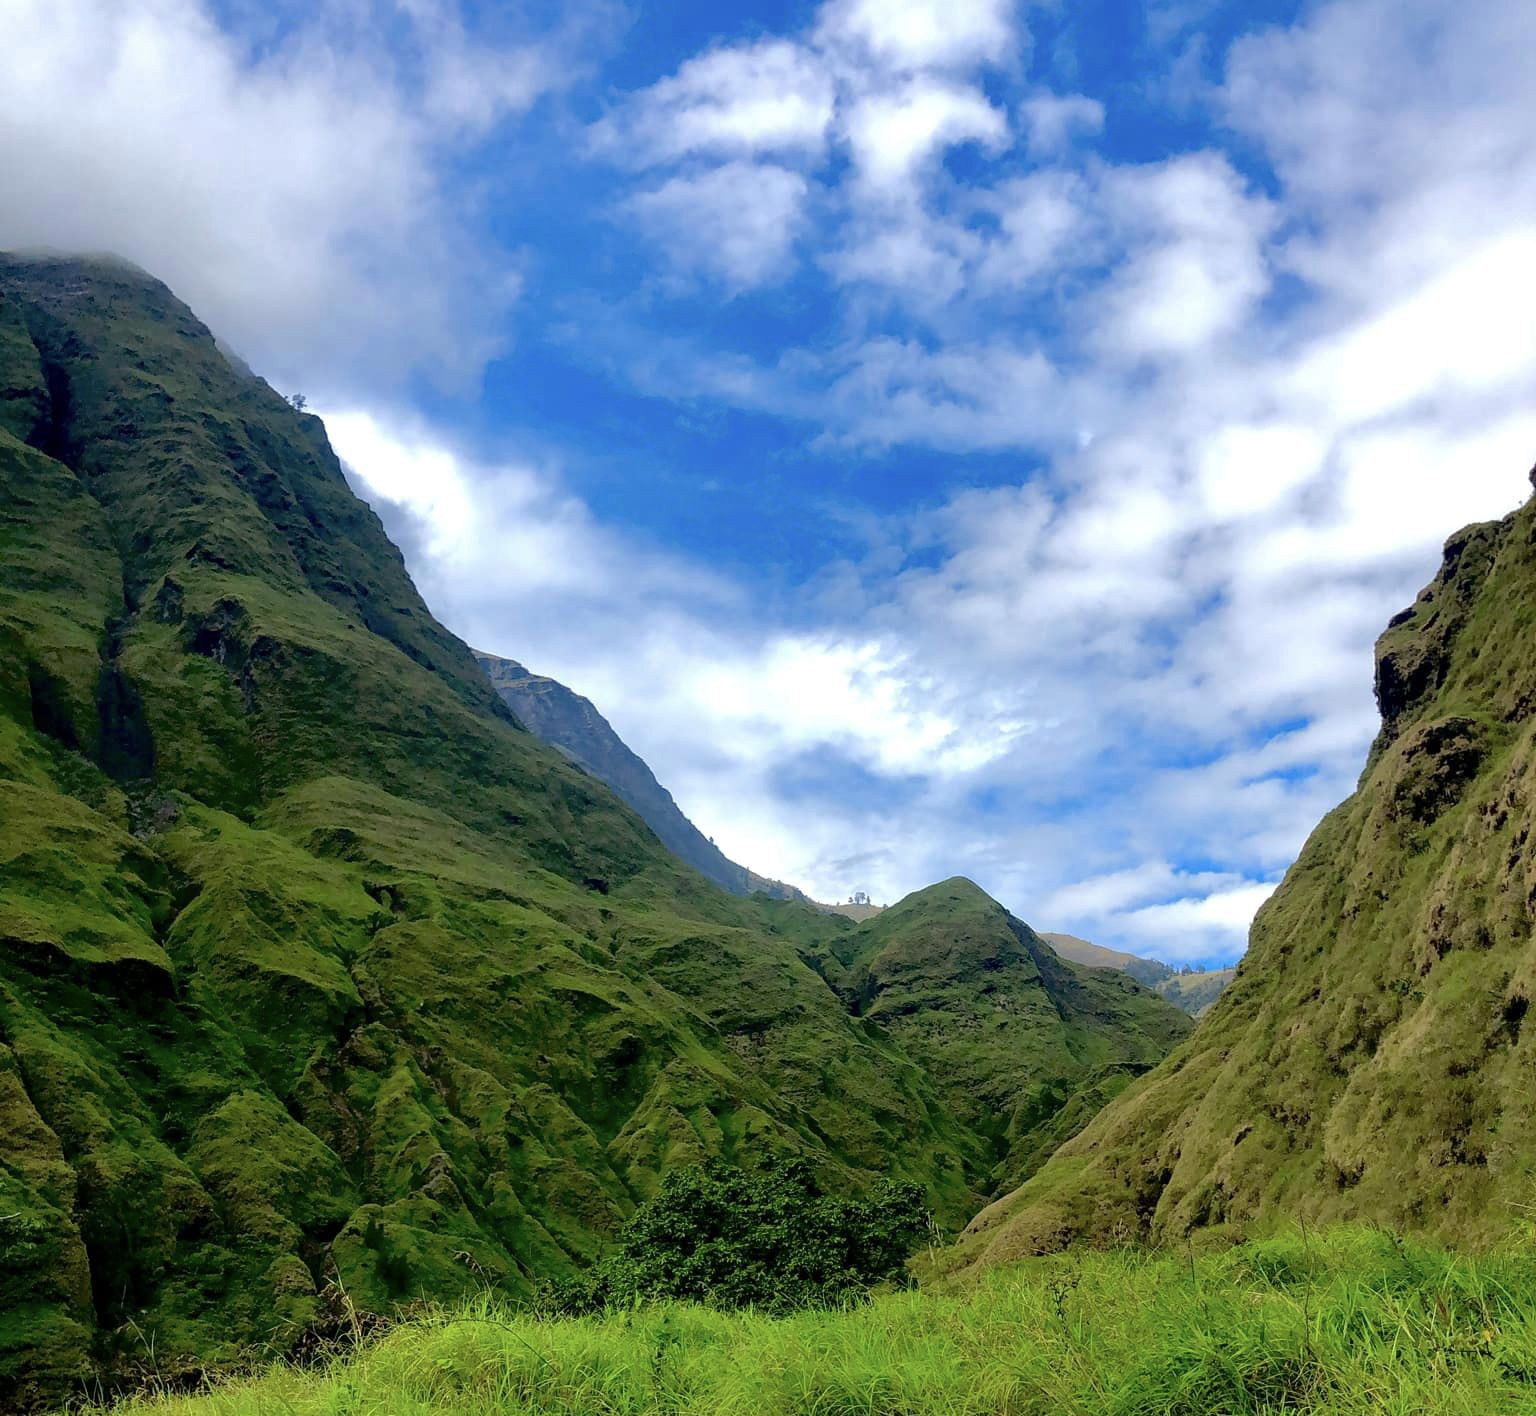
(1350, 1321)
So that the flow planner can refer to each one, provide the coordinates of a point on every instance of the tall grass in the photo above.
(1352, 1321)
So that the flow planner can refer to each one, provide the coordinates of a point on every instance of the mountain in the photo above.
(1026, 1045)
(319, 974)
(1194, 991)
(1371, 1059)
(1151, 972)
(571, 724)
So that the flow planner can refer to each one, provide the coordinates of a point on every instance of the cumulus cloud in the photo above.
(1053, 122)
(886, 85)
(922, 34)
(770, 97)
(893, 133)
(291, 191)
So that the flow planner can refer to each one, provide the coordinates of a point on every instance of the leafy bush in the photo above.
(769, 1240)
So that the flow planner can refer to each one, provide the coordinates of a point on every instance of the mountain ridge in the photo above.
(571, 723)
(1195, 990)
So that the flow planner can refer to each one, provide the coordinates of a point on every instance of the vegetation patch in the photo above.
(1354, 1322)
(770, 1240)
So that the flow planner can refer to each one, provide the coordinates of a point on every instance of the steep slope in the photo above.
(1371, 1059)
(570, 723)
(1027, 1045)
(316, 970)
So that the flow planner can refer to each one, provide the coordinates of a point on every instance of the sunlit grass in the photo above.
(1353, 1321)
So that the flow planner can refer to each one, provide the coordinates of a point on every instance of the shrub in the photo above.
(769, 1240)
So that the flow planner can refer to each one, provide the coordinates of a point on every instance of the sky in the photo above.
(942, 436)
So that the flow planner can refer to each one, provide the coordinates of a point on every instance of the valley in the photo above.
(337, 987)
(322, 975)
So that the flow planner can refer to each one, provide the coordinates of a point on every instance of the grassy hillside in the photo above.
(1371, 1059)
(319, 974)
(1012, 1031)
(1148, 971)
(1346, 1324)
(1196, 993)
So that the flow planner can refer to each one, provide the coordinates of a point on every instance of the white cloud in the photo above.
(1195, 266)
(771, 97)
(923, 34)
(738, 222)
(1197, 929)
(293, 198)
(1244, 469)
(1471, 325)
(502, 538)
(892, 134)
(1161, 912)
(1055, 121)
(883, 84)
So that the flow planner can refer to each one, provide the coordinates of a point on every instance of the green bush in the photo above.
(769, 1240)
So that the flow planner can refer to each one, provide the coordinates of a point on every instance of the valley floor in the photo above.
(1351, 1321)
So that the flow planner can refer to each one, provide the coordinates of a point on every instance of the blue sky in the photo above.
(944, 436)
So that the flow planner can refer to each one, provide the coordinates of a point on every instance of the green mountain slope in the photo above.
(1371, 1059)
(313, 964)
(1025, 1045)
(319, 973)
(571, 724)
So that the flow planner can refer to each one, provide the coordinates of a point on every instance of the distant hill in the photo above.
(1196, 993)
(859, 913)
(1372, 1060)
(571, 723)
(1030, 1044)
(1148, 971)
(1193, 992)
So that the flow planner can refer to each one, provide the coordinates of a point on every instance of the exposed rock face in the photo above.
(1370, 1060)
(565, 720)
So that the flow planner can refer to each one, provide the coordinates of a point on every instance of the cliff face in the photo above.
(571, 724)
(1371, 1059)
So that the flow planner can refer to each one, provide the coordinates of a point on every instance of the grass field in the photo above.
(1350, 1321)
